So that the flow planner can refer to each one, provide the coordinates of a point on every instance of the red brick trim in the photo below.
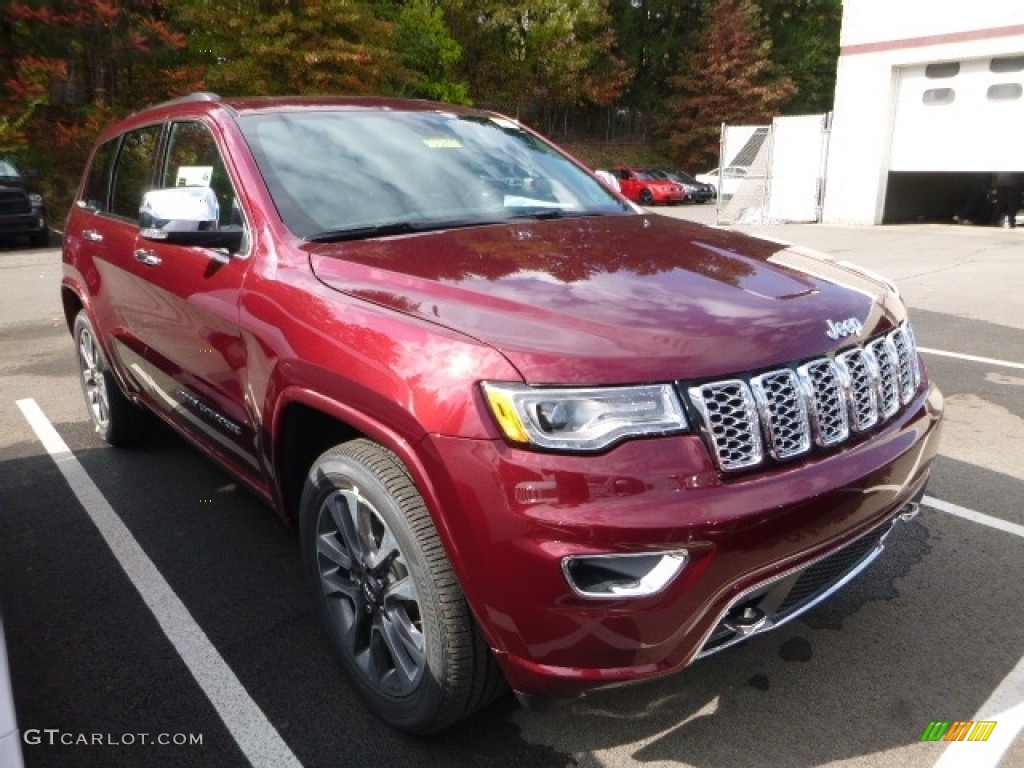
(920, 42)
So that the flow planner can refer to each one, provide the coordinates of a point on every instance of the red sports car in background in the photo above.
(647, 188)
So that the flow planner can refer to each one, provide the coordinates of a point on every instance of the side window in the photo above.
(133, 176)
(194, 160)
(95, 193)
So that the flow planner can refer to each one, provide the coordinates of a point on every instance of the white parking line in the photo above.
(972, 358)
(1006, 707)
(254, 734)
(974, 517)
(1006, 704)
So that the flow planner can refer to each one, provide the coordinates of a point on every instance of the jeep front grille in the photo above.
(785, 412)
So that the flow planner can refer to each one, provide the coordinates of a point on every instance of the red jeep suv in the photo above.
(528, 435)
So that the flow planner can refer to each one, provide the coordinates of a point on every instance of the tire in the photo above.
(39, 239)
(116, 419)
(386, 594)
(646, 198)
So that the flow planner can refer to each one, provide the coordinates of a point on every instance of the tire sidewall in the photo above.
(411, 711)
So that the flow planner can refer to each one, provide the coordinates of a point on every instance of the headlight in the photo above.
(36, 199)
(583, 419)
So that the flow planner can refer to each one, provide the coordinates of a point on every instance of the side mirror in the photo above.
(186, 216)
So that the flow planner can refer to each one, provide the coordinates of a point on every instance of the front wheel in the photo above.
(386, 593)
(646, 198)
(116, 419)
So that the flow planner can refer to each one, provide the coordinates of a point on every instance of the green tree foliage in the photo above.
(654, 37)
(302, 46)
(805, 45)
(530, 55)
(429, 52)
(730, 78)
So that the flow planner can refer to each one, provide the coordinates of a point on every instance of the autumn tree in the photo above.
(729, 78)
(71, 66)
(260, 47)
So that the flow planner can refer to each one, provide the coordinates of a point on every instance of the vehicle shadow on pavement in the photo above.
(840, 683)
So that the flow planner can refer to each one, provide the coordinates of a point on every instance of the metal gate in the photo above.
(773, 173)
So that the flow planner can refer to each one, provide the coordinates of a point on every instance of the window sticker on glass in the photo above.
(194, 176)
(443, 143)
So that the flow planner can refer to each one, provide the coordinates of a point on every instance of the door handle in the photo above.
(92, 236)
(149, 258)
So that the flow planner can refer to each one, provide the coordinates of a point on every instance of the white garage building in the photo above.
(929, 102)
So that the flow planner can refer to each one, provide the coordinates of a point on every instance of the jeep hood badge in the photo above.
(851, 326)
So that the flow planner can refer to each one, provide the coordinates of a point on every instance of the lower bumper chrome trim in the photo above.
(785, 596)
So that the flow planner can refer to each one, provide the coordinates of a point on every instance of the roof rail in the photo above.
(196, 96)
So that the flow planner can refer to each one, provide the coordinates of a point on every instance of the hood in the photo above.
(615, 299)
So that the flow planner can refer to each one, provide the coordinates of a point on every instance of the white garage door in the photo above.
(960, 116)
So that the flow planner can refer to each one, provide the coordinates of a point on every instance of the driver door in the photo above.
(195, 360)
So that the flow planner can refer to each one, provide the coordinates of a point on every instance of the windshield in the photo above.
(364, 174)
(7, 168)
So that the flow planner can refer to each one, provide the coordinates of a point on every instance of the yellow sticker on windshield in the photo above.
(442, 143)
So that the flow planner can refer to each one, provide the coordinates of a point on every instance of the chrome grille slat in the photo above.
(828, 401)
(888, 376)
(785, 412)
(862, 390)
(730, 415)
(905, 355)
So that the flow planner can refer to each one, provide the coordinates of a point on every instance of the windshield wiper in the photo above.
(360, 233)
(544, 212)
(389, 228)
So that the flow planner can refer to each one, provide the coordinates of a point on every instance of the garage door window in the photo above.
(1004, 91)
(944, 69)
(937, 96)
(1007, 64)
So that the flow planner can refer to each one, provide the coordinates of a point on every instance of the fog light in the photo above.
(618, 576)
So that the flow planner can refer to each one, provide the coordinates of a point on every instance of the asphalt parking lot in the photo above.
(156, 616)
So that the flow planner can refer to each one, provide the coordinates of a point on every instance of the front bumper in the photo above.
(669, 197)
(23, 224)
(512, 517)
